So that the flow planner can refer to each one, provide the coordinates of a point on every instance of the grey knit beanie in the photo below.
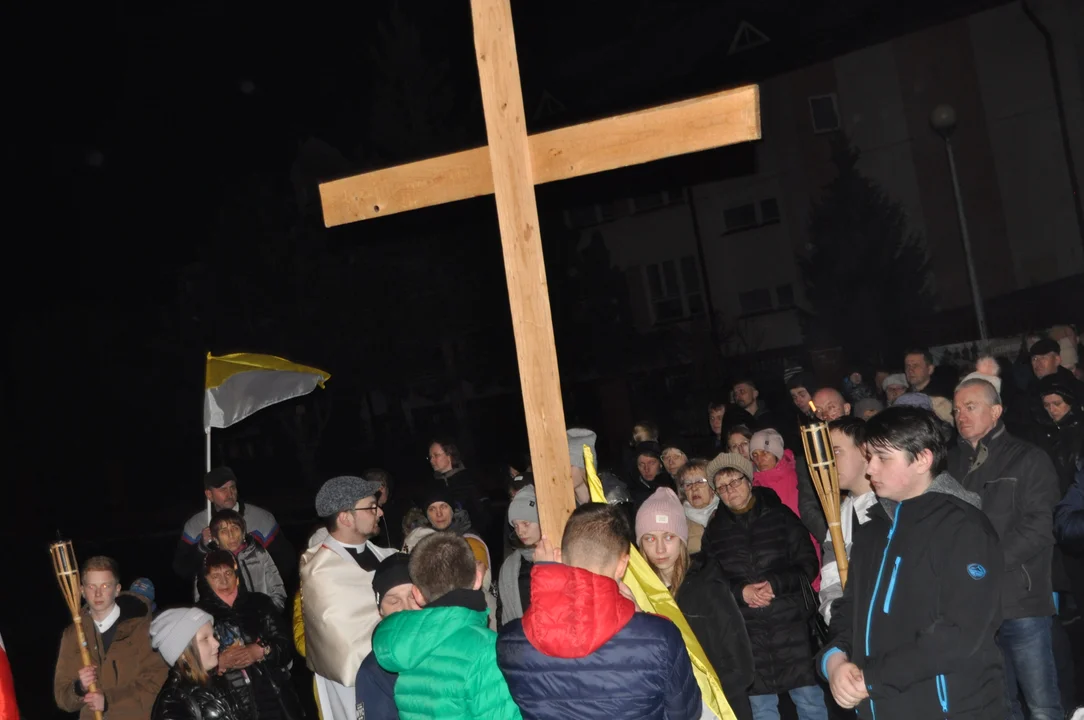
(577, 438)
(524, 506)
(173, 630)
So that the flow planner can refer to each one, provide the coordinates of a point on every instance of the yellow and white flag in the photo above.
(240, 384)
(653, 597)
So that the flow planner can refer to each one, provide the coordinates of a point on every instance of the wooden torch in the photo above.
(825, 476)
(67, 576)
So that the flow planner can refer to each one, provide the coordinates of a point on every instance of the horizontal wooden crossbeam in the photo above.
(703, 123)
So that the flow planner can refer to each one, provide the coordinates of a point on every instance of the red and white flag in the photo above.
(9, 709)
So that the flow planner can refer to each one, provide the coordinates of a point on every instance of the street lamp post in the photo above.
(943, 120)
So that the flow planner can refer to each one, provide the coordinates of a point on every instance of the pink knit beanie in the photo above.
(767, 439)
(662, 511)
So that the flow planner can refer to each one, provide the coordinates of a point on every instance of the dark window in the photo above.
(755, 300)
(654, 282)
(785, 295)
(690, 275)
(696, 304)
(769, 211)
(669, 276)
(740, 217)
(824, 112)
(667, 310)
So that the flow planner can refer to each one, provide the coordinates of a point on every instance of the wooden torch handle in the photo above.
(84, 652)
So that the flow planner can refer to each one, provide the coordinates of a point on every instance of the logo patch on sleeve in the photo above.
(976, 571)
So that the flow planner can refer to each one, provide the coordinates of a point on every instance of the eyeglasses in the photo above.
(371, 509)
(727, 487)
(693, 483)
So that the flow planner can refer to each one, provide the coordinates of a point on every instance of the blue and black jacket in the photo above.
(920, 609)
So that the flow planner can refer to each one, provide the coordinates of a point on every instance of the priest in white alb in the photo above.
(337, 600)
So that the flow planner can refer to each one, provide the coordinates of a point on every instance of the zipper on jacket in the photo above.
(942, 693)
(892, 584)
(116, 673)
(880, 573)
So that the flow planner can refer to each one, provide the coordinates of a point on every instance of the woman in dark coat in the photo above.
(255, 645)
(702, 593)
(186, 641)
(766, 556)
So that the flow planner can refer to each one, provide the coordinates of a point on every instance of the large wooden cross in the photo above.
(509, 167)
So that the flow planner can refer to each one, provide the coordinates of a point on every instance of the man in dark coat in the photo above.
(1019, 489)
(913, 634)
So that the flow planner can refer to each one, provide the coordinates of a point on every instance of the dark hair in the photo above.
(744, 380)
(924, 352)
(851, 426)
(218, 558)
(440, 563)
(222, 517)
(716, 405)
(742, 430)
(449, 446)
(909, 429)
(596, 535)
(101, 562)
(381, 475)
(649, 427)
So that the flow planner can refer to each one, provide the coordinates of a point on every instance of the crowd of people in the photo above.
(962, 516)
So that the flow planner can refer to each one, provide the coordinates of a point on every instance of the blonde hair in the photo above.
(677, 574)
(189, 666)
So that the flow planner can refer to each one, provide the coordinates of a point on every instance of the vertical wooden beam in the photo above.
(528, 295)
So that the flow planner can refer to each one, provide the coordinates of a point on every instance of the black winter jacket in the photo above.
(1019, 489)
(920, 609)
(769, 543)
(252, 619)
(180, 699)
(705, 599)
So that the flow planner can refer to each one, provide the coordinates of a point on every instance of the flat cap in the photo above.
(340, 493)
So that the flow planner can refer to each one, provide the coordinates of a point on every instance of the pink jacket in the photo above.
(783, 479)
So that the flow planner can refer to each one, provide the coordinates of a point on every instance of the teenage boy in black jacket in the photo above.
(914, 630)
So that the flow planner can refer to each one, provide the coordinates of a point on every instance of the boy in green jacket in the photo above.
(445, 654)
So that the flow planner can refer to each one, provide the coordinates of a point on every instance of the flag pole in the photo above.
(208, 453)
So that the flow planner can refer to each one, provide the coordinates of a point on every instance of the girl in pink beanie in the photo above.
(702, 593)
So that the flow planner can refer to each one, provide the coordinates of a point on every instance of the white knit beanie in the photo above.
(173, 630)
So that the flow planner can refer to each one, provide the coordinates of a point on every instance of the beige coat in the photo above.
(338, 608)
(130, 673)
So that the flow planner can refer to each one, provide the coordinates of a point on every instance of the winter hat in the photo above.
(173, 630)
(436, 491)
(865, 405)
(662, 511)
(992, 379)
(1056, 385)
(649, 448)
(145, 588)
(416, 535)
(1045, 346)
(218, 477)
(727, 461)
(340, 493)
(898, 379)
(914, 399)
(767, 439)
(577, 438)
(391, 573)
(524, 506)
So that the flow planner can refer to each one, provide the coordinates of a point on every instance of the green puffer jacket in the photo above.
(446, 658)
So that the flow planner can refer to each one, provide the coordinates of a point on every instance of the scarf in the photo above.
(702, 515)
(508, 585)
